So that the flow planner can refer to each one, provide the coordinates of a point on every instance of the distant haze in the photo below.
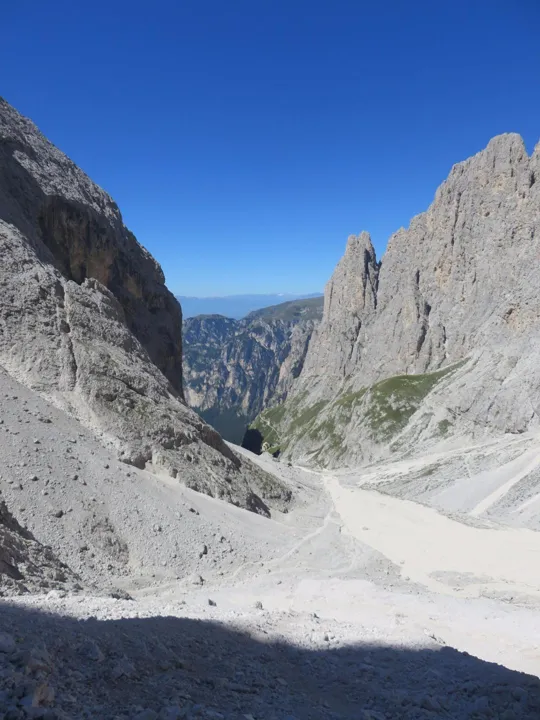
(233, 306)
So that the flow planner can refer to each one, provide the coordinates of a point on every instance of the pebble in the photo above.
(123, 668)
(147, 715)
(39, 659)
(173, 712)
(92, 651)
(481, 704)
(43, 695)
(431, 703)
(7, 643)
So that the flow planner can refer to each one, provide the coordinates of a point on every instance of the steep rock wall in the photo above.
(87, 321)
(457, 289)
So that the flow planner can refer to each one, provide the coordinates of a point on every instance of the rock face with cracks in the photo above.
(439, 340)
(87, 321)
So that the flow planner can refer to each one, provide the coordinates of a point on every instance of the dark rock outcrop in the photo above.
(25, 564)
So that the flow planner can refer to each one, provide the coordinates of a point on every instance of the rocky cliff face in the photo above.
(87, 321)
(439, 340)
(350, 299)
(235, 368)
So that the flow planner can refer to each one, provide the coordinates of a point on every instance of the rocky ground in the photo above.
(352, 604)
(488, 483)
(149, 660)
(109, 521)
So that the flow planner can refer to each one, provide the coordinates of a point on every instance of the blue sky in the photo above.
(245, 140)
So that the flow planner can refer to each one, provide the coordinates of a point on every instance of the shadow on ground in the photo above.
(184, 668)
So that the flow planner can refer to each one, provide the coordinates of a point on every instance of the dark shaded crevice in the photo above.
(456, 215)
(371, 275)
(253, 441)
(421, 338)
(424, 327)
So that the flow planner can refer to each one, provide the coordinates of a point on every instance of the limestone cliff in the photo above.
(87, 321)
(235, 368)
(438, 341)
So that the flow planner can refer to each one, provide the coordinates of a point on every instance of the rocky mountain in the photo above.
(87, 321)
(146, 600)
(439, 341)
(233, 369)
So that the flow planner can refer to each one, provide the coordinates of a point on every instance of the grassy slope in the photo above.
(381, 411)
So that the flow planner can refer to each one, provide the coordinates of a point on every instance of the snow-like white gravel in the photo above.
(353, 604)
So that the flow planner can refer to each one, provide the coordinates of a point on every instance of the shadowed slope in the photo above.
(181, 667)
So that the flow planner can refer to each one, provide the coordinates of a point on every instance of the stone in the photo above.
(39, 660)
(123, 669)
(431, 703)
(43, 695)
(92, 651)
(7, 641)
(172, 712)
(32, 566)
(147, 715)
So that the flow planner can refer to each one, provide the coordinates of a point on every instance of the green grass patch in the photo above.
(350, 399)
(275, 414)
(393, 401)
(306, 416)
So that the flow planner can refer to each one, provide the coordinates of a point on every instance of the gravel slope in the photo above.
(351, 605)
(113, 524)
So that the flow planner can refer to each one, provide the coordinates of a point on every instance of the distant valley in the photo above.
(233, 369)
(234, 306)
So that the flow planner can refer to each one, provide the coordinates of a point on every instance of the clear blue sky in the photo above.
(244, 140)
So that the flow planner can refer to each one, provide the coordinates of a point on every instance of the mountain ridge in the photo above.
(87, 321)
(455, 292)
(235, 306)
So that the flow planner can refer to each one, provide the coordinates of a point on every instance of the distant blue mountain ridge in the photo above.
(234, 306)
